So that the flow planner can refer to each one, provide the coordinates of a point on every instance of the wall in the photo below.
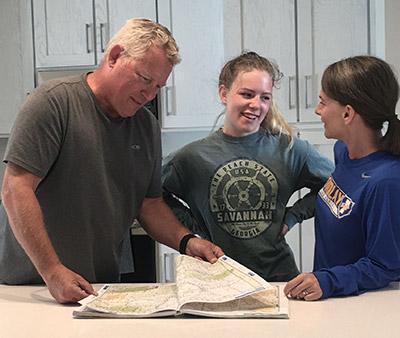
(3, 143)
(385, 35)
(392, 38)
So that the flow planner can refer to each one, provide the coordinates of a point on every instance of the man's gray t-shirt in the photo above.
(95, 172)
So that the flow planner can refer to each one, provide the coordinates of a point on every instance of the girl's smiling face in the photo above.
(247, 102)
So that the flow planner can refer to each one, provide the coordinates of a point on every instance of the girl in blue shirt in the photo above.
(357, 216)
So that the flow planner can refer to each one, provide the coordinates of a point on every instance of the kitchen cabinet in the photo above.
(301, 236)
(306, 230)
(190, 97)
(16, 55)
(71, 33)
(302, 37)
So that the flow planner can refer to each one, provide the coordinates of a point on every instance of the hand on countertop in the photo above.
(67, 286)
(304, 286)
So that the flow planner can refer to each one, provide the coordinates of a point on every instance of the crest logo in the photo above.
(338, 202)
(243, 195)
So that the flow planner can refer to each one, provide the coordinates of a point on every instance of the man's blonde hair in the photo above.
(138, 35)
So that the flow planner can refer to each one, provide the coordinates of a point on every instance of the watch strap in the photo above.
(184, 241)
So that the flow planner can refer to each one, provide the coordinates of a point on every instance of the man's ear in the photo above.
(114, 54)
(222, 91)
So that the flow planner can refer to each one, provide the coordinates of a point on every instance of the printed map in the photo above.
(222, 289)
(225, 280)
(131, 299)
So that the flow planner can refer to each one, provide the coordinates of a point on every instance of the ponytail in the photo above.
(276, 123)
(391, 141)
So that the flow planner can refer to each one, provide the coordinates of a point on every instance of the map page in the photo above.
(271, 303)
(225, 280)
(131, 300)
(222, 289)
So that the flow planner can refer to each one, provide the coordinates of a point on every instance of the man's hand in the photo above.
(161, 224)
(67, 286)
(304, 286)
(203, 249)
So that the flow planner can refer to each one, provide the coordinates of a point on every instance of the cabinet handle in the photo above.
(89, 46)
(168, 101)
(307, 83)
(169, 267)
(102, 36)
(291, 96)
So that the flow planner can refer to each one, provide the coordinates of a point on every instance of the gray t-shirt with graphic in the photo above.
(237, 189)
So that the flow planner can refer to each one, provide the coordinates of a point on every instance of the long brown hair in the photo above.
(369, 85)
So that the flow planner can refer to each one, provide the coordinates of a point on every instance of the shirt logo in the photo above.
(135, 147)
(243, 197)
(338, 202)
(365, 175)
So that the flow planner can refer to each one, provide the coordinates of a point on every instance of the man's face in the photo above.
(134, 83)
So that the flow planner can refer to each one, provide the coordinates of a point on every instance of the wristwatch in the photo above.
(184, 241)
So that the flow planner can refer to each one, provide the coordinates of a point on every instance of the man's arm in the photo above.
(26, 220)
(161, 224)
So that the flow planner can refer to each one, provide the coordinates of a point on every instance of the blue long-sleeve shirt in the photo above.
(357, 224)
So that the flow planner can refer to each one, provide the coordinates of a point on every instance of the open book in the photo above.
(225, 289)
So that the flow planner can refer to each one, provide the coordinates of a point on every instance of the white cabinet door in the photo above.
(190, 98)
(293, 237)
(101, 28)
(303, 37)
(328, 30)
(269, 29)
(64, 33)
(307, 239)
(120, 11)
(76, 32)
(16, 55)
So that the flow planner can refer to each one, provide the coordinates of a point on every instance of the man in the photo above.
(83, 161)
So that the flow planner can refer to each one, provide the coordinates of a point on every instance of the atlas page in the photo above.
(220, 285)
(199, 281)
(220, 291)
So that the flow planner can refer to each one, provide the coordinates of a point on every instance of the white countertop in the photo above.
(30, 311)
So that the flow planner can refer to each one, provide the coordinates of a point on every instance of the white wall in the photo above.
(385, 33)
(3, 143)
(392, 39)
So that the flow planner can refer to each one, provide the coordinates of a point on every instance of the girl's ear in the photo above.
(349, 114)
(222, 91)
